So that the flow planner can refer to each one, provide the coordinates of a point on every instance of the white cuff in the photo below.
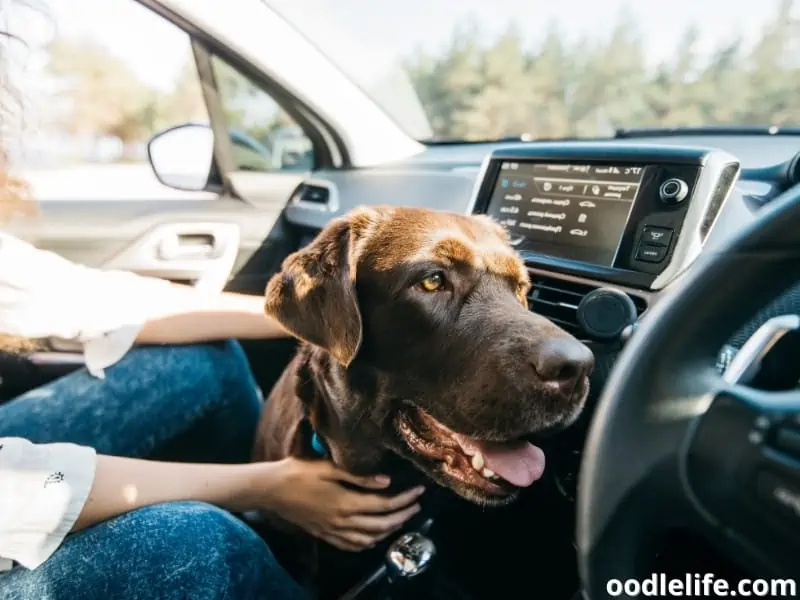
(43, 488)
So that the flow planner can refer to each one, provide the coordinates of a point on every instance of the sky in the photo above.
(155, 50)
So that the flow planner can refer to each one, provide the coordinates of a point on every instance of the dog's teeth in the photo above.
(487, 473)
(477, 461)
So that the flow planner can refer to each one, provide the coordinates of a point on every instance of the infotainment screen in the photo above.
(573, 211)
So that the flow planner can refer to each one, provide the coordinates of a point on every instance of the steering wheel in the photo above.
(673, 444)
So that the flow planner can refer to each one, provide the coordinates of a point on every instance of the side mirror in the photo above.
(181, 157)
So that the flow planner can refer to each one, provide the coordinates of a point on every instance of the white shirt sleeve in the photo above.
(43, 295)
(43, 488)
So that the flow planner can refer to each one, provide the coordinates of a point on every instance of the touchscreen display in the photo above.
(573, 211)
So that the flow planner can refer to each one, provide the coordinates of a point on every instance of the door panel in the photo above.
(226, 242)
(114, 233)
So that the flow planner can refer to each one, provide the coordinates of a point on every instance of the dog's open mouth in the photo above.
(496, 468)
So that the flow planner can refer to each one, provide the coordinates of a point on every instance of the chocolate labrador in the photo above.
(419, 351)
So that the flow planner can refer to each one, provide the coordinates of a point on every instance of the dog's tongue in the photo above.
(519, 463)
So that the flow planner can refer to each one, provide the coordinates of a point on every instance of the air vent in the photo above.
(316, 195)
(558, 299)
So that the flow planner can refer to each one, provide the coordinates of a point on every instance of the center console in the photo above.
(630, 215)
(602, 228)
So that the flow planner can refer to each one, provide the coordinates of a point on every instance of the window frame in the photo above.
(215, 101)
(328, 147)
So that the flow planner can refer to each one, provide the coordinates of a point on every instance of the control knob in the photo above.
(605, 313)
(673, 191)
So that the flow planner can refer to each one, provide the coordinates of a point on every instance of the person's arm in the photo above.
(192, 316)
(306, 493)
(43, 295)
(124, 484)
(50, 490)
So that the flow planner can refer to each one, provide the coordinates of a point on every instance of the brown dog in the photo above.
(419, 346)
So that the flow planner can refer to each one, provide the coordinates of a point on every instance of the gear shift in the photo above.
(409, 556)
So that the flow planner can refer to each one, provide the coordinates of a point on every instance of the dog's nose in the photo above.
(563, 362)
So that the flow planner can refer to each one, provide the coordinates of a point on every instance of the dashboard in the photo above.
(614, 220)
(604, 227)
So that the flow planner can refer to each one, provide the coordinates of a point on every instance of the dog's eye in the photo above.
(432, 283)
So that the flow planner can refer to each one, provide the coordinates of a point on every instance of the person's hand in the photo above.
(310, 494)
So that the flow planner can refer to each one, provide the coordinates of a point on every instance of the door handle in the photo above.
(188, 246)
(201, 252)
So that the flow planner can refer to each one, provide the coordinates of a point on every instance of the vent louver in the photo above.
(313, 194)
(558, 299)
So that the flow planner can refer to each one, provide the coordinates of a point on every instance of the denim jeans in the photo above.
(196, 403)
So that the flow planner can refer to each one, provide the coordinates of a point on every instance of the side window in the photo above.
(105, 91)
(264, 137)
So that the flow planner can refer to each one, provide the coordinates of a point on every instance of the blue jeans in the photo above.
(195, 403)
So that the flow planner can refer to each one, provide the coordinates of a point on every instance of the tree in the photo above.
(449, 84)
(185, 103)
(592, 86)
(105, 96)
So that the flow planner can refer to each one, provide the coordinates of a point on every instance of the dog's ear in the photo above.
(314, 297)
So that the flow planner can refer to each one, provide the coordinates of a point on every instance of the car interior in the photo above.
(671, 252)
(708, 488)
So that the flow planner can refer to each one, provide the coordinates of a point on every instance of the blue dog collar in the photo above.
(318, 445)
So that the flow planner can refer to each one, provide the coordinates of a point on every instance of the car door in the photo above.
(103, 202)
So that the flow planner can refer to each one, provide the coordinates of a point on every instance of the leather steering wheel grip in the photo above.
(633, 480)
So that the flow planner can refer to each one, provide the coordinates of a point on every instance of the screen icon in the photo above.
(582, 218)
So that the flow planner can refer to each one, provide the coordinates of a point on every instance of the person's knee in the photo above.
(240, 395)
(213, 542)
(188, 549)
(234, 368)
(210, 545)
(217, 369)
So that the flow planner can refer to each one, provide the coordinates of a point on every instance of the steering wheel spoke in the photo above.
(742, 470)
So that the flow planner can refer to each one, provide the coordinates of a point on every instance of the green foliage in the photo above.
(105, 96)
(591, 87)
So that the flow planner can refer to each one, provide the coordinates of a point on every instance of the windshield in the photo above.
(480, 70)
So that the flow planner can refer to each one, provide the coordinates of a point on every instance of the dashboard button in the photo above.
(651, 253)
(660, 236)
(673, 191)
(781, 494)
(787, 439)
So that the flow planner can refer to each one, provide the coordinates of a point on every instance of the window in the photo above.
(94, 96)
(264, 137)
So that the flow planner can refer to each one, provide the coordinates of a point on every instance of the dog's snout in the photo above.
(563, 362)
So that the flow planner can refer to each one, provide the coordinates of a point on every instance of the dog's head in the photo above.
(430, 309)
